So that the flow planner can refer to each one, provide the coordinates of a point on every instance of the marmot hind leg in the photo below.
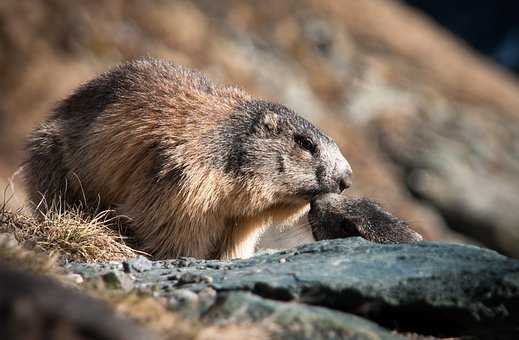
(44, 170)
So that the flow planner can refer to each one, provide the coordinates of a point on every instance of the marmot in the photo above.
(200, 169)
(336, 216)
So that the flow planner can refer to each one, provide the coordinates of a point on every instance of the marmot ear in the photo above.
(270, 121)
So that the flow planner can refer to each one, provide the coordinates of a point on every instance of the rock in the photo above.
(117, 280)
(74, 278)
(184, 301)
(34, 307)
(139, 264)
(207, 297)
(425, 288)
(189, 277)
(291, 320)
(189, 304)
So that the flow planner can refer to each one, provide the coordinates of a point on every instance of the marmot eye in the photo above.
(305, 143)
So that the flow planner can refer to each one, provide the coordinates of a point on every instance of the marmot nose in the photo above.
(345, 181)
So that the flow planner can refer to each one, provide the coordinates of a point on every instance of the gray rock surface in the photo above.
(426, 288)
(285, 320)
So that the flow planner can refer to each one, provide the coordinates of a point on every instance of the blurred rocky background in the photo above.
(430, 126)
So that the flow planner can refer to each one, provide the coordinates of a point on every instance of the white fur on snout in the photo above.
(338, 162)
(342, 166)
(336, 165)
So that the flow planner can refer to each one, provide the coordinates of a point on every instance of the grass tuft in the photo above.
(69, 234)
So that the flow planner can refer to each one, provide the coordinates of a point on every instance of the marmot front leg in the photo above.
(240, 241)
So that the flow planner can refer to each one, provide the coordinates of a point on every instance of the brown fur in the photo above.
(185, 160)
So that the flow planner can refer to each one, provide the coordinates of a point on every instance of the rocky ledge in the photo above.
(337, 288)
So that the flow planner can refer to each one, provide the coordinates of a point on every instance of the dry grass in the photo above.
(69, 234)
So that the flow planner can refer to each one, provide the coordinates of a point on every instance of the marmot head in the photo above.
(335, 216)
(270, 146)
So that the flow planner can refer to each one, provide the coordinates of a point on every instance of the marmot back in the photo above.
(199, 169)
